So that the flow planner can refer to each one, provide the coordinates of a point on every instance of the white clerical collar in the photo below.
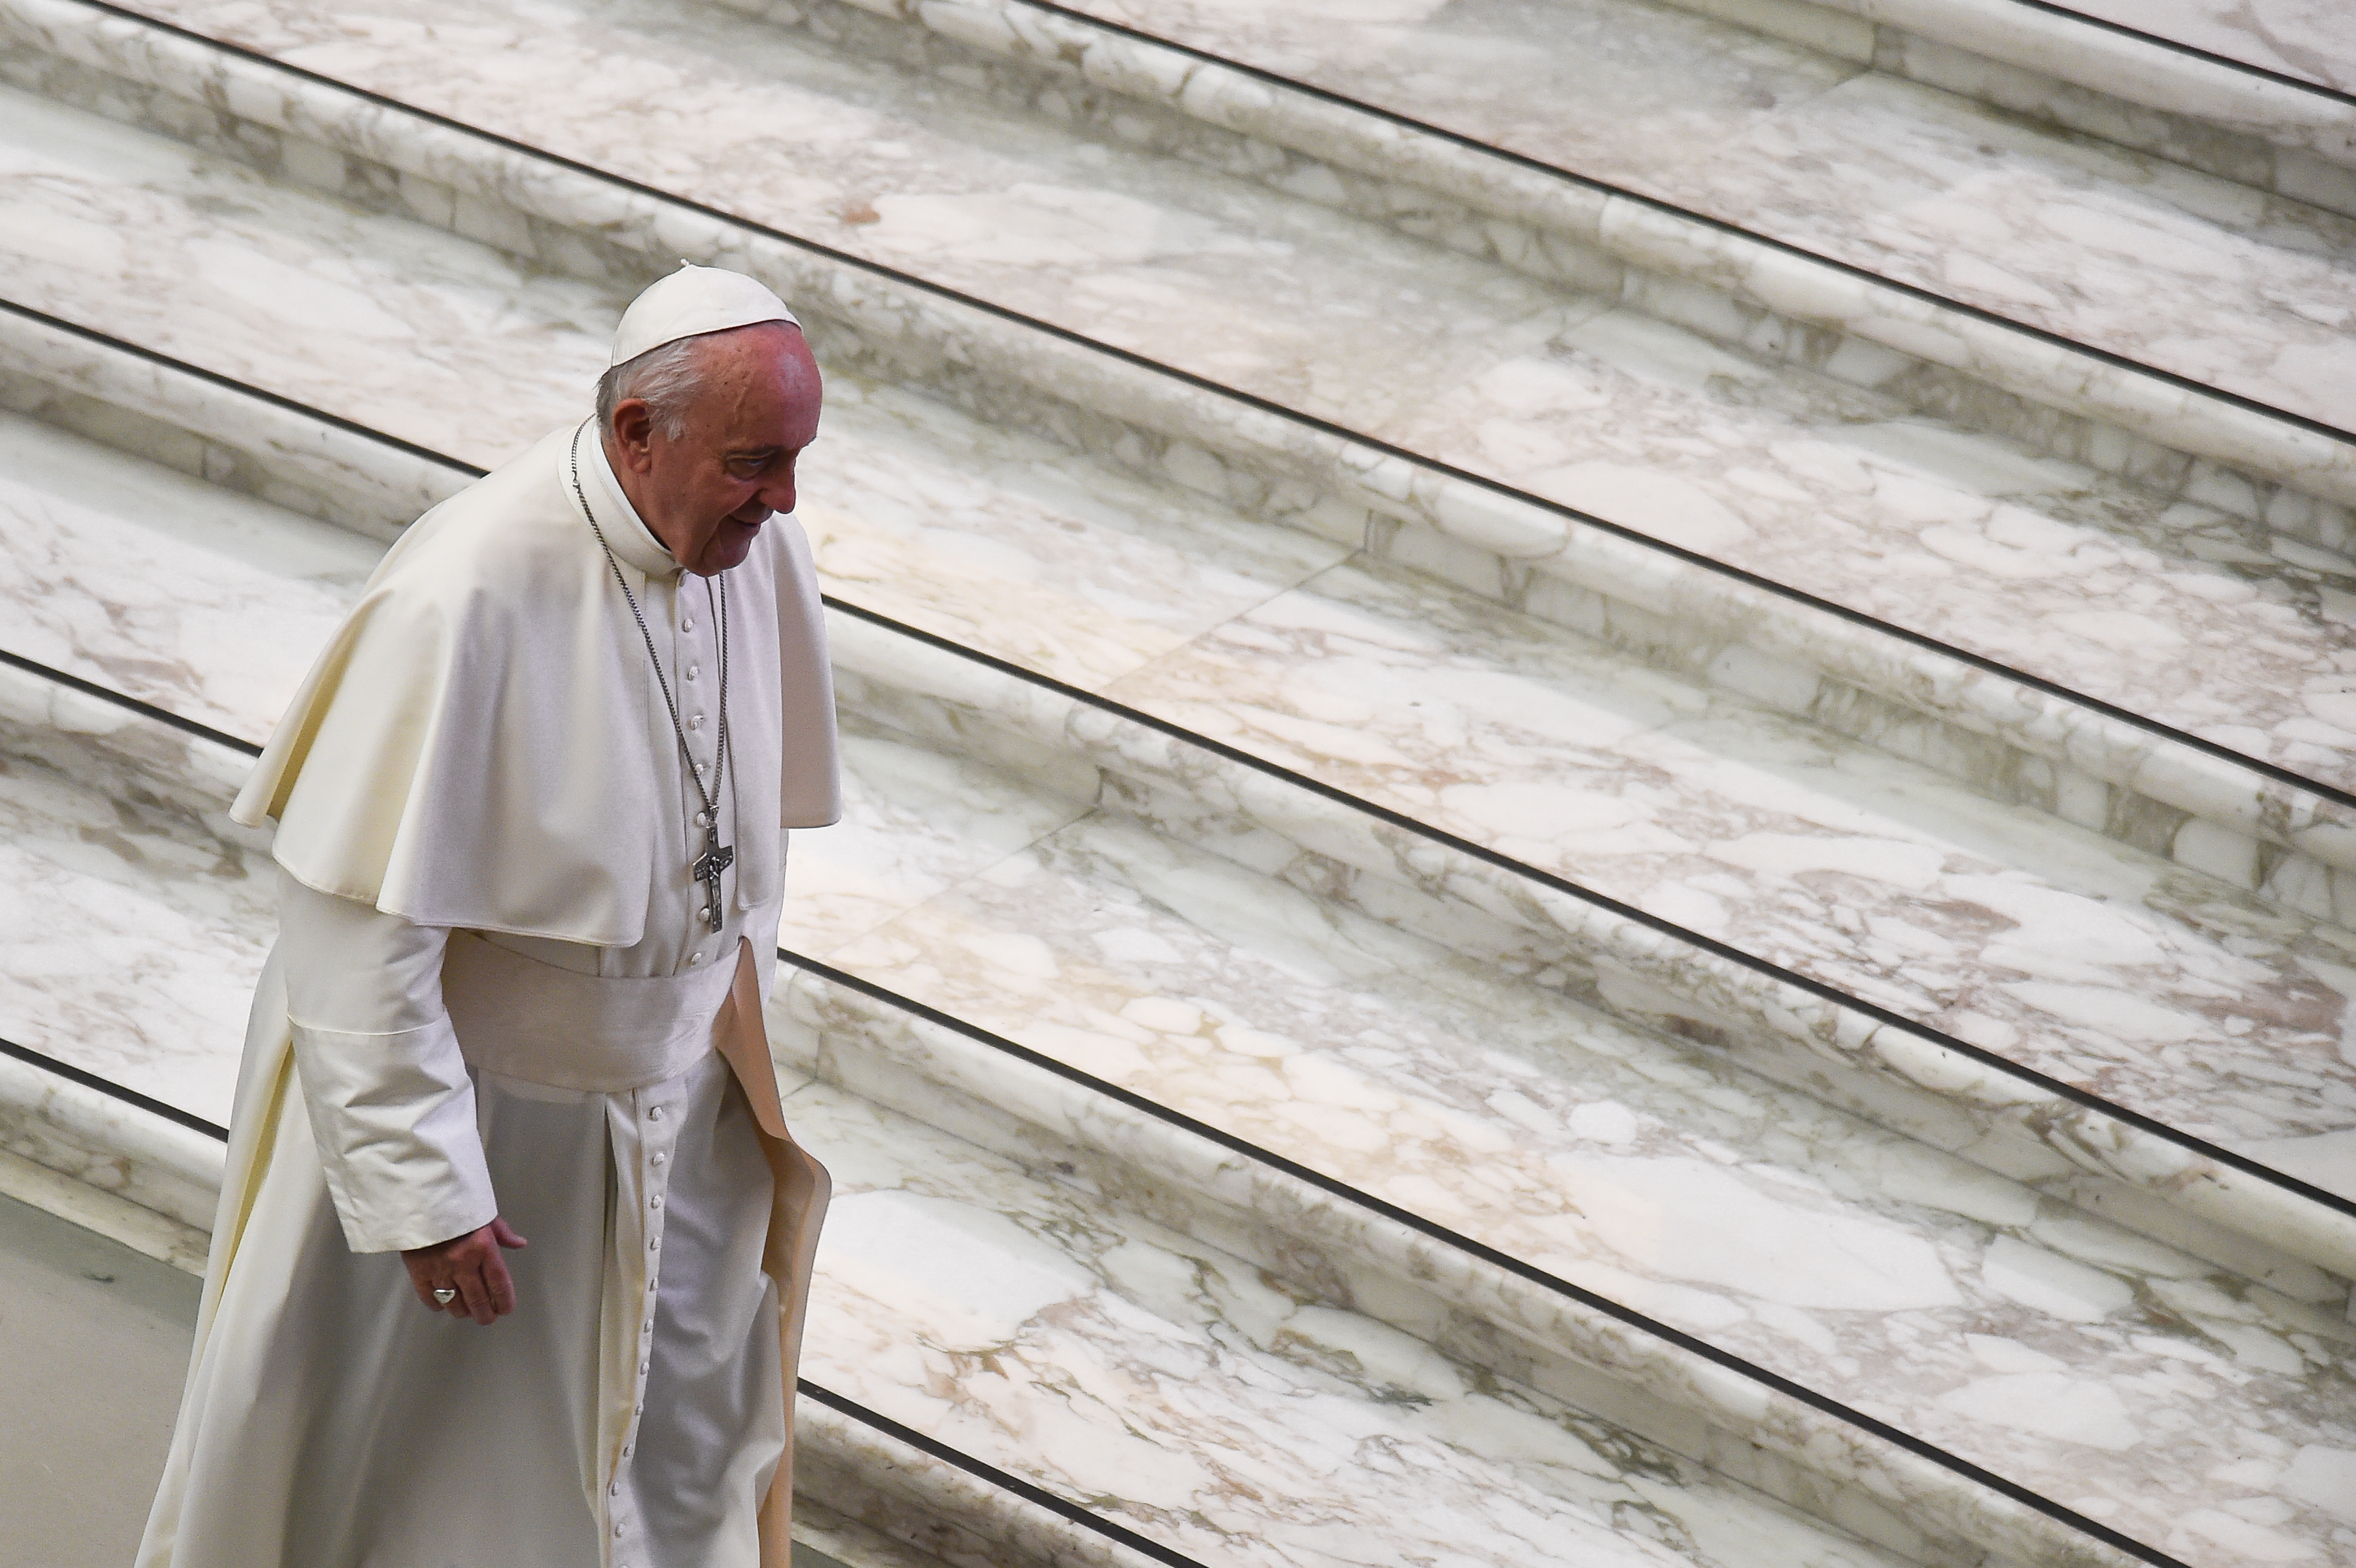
(632, 542)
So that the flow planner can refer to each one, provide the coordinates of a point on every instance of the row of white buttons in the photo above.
(656, 1159)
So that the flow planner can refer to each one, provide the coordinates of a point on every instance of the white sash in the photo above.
(520, 1018)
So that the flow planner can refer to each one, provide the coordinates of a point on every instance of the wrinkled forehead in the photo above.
(760, 384)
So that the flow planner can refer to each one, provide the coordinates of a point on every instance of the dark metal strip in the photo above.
(984, 1471)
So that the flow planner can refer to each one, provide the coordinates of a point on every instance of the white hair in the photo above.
(666, 378)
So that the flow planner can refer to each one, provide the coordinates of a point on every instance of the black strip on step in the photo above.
(982, 1470)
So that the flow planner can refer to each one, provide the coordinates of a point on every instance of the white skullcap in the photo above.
(690, 302)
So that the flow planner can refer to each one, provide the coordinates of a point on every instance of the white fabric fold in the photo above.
(384, 1081)
(483, 744)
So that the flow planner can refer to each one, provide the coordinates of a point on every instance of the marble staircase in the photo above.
(1650, 1108)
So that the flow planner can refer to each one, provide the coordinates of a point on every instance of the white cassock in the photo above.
(493, 993)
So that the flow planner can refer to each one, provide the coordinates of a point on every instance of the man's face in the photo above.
(706, 492)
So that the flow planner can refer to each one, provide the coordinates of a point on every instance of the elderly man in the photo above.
(531, 804)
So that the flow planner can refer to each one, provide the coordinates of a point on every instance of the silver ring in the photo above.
(445, 1295)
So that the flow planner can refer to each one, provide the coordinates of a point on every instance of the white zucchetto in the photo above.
(689, 303)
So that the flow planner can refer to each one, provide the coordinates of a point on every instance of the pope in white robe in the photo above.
(512, 1251)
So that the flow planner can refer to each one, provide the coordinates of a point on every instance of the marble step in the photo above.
(2106, 75)
(2259, 96)
(2021, 1304)
(127, 640)
(1798, 837)
(2151, 74)
(248, 594)
(1207, 1401)
(2193, 800)
(2301, 39)
(892, 860)
(1886, 173)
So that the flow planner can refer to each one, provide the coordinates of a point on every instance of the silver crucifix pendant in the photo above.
(716, 858)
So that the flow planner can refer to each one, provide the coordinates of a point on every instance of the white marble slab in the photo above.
(1905, 1282)
(2181, 271)
(1086, 575)
(1201, 1402)
(2228, 253)
(2160, 604)
(205, 603)
(2312, 39)
(2056, 947)
(135, 916)
(1503, 1113)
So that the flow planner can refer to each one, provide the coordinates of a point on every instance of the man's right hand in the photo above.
(471, 1265)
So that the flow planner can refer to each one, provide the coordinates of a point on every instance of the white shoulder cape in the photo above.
(482, 744)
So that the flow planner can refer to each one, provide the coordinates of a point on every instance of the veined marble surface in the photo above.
(2170, 994)
(2022, 1334)
(1851, 1262)
(1201, 1402)
(135, 915)
(2048, 944)
(2164, 606)
(227, 601)
(2205, 279)
(1493, 1108)
(2313, 39)
(1113, 1362)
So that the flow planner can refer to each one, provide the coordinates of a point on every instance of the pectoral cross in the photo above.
(716, 858)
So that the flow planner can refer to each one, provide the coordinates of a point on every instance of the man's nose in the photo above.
(777, 494)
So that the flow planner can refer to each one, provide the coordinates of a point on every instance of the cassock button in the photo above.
(617, 1530)
(628, 1449)
(642, 1367)
(654, 1243)
(686, 623)
(695, 720)
(654, 1113)
(655, 1202)
(696, 957)
(693, 671)
(614, 1491)
(659, 1156)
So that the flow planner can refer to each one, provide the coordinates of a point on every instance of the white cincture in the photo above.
(524, 1019)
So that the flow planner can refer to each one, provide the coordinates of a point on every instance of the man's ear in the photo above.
(634, 435)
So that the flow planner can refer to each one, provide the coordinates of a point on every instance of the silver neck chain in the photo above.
(719, 609)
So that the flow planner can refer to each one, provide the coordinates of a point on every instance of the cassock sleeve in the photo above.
(391, 1108)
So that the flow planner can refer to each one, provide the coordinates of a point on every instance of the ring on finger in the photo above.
(443, 1295)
